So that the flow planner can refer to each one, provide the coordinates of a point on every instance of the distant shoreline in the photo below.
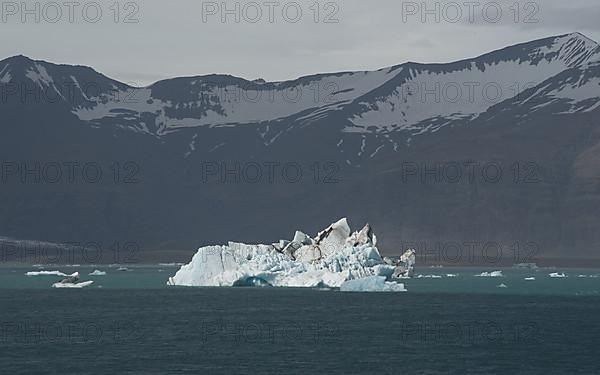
(541, 267)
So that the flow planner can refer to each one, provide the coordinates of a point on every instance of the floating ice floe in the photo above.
(429, 277)
(530, 279)
(72, 281)
(330, 260)
(62, 285)
(97, 273)
(491, 274)
(46, 273)
(556, 275)
(502, 286)
(451, 275)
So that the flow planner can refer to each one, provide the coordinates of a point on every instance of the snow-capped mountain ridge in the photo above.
(467, 88)
(412, 98)
(38, 82)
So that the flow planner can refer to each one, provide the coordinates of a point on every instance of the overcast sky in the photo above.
(149, 40)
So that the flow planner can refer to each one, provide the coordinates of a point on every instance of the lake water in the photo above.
(130, 322)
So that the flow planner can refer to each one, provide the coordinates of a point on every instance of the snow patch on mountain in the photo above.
(429, 93)
(39, 75)
(588, 91)
(573, 49)
(5, 76)
(82, 91)
(235, 104)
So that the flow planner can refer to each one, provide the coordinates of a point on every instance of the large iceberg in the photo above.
(334, 257)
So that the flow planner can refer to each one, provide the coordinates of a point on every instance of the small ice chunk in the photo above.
(72, 285)
(372, 284)
(491, 274)
(556, 275)
(46, 273)
(302, 238)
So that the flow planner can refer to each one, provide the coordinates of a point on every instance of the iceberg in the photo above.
(97, 273)
(334, 257)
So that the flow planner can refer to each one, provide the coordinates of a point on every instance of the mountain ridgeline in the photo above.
(494, 157)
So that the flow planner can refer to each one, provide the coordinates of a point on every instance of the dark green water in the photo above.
(462, 325)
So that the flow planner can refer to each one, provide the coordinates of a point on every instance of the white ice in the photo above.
(429, 277)
(491, 274)
(332, 258)
(49, 273)
(372, 284)
(72, 285)
(556, 275)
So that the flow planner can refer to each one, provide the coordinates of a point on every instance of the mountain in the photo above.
(411, 148)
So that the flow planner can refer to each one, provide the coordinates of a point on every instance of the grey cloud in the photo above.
(171, 38)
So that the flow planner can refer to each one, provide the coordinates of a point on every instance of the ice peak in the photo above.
(580, 36)
(575, 49)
